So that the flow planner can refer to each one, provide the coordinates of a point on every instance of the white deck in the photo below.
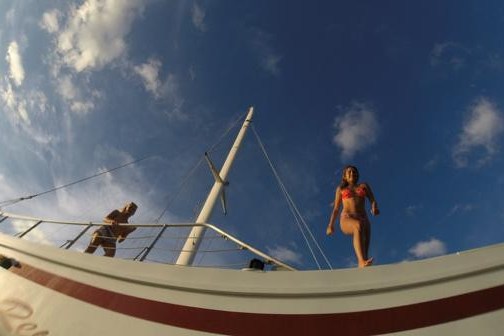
(71, 293)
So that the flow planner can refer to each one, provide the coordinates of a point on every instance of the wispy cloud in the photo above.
(166, 90)
(16, 70)
(192, 73)
(356, 129)
(10, 16)
(449, 54)
(78, 101)
(461, 208)
(431, 164)
(494, 62)
(170, 92)
(482, 131)
(198, 17)
(269, 58)
(21, 108)
(285, 254)
(21, 104)
(412, 210)
(426, 249)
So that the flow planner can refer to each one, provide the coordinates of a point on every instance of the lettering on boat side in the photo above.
(15, 318)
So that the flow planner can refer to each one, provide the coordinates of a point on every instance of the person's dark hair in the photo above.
(344, 182)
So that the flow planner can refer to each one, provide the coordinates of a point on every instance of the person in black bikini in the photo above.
(107, 235)
(353, 220)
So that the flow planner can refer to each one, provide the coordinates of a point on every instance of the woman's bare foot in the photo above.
(366, 263)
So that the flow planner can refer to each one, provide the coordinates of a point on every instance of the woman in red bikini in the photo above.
(353, 219)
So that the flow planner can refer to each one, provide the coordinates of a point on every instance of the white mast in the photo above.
(192, 243)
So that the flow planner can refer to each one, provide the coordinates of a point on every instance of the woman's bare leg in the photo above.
(355, 227)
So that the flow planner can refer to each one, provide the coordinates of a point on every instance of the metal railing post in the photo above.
(31, 228)
(79, 235)
(153, 243)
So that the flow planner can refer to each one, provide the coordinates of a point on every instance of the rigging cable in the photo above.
(179, 189)
(191, 173)
(233, 125)
(292, 206)
(194, 168)
(16, 200)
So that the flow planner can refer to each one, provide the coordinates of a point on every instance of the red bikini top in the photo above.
(359, 192)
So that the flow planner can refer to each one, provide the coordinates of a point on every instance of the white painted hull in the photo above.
(61, 292)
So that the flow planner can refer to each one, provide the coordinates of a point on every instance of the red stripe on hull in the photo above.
(369, 322)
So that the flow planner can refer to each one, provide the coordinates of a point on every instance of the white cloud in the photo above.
(50, 21)
(16, 70)
(87, 38)
(95, 33)
(269, 59)
(149, 72)
(198, 17)
(284, 254)
(356, 130)
(426, 249)
(481, 131)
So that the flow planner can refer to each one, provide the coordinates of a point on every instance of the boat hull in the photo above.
(61, 292)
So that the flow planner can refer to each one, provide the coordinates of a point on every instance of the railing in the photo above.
(159, 243)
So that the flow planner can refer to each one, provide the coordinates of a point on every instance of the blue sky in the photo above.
(410, 92)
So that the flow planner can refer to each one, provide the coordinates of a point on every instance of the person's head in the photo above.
(350, 174)
(130, 208)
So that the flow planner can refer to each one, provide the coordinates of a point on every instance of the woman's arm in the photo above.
(374, 205)
(334, 213)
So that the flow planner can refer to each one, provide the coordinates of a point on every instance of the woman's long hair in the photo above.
(344, 182)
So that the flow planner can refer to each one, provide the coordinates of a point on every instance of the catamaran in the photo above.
(50, 288)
